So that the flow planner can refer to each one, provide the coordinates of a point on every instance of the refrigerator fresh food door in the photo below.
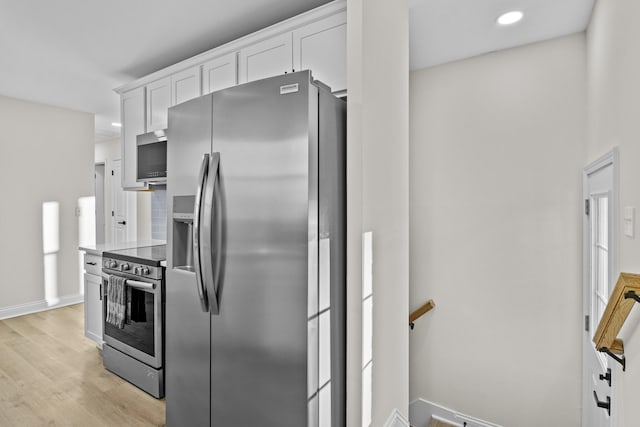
(209, 251)
(266, 134)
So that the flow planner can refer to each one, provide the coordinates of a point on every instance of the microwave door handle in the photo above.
(211, 242)
(197, 209)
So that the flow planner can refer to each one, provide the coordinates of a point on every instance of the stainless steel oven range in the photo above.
(134, 348)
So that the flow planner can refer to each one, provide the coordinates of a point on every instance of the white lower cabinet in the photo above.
(93, 326)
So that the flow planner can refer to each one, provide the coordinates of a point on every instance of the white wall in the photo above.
(614, 119)
(497, 148)
(46, 155)
(377, 200)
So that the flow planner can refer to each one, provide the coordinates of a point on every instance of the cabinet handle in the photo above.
(122, 222)
(91, 263)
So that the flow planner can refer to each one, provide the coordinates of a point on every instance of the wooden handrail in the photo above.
(420, 311)
(617, 311)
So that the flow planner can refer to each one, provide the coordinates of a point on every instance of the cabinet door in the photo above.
(322, 48)
(93, 308)
(271, 57)
(158, 102)
(185, 85)
(220, 73)
(132, 108)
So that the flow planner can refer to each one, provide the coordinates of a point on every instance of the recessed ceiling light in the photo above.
(510, 18)
(118, 125)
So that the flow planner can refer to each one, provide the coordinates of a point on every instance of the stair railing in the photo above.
(421, 311)
(624, 296)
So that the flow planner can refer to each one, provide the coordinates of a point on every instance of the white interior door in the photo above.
(119, 204)
(599, 261)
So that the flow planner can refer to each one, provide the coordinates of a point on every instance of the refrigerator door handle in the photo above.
(197, 208)
(211, 249)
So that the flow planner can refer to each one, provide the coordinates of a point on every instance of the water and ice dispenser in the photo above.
(182, 223)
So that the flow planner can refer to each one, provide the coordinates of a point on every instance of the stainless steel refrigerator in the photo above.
(255, 292)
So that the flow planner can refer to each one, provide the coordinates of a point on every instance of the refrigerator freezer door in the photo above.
(197, 220)
(187, 328)
(269, 190)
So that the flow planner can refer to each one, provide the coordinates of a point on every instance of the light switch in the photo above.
(629, 221)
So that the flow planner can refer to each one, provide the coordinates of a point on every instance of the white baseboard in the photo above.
(37, 306)
(421, 411)
(396, 419)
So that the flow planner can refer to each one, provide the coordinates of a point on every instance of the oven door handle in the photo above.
(140, 285)
(147, 286)
(197, 210)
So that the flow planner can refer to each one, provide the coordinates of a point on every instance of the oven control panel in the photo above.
(119, 266)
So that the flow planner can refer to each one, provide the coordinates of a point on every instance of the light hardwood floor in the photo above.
(51, 375)
(437, 423)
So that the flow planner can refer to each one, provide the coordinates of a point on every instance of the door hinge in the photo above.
(586, 206)
(586, 323)
(112, 172)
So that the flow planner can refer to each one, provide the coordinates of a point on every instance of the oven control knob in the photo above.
(113, 264)
(124, 267)
(136, 271)
(144, 270)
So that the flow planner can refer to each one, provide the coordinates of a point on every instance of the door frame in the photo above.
(100, 202)
(612, 159)
(130, 205)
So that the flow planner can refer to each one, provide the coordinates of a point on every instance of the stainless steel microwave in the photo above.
(152, 157)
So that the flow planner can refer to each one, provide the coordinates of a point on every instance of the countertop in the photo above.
(99, 248)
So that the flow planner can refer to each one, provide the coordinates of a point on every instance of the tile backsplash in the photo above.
(159, 214)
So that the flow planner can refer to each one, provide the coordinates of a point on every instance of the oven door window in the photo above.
(139, 326)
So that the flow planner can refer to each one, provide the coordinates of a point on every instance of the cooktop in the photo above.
(148, 255)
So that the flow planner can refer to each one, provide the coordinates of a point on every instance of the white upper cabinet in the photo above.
(270, 57)
(322, 48)
(172, 90)
(158, 102)
(132, 108)
(315, 40)
(220, 73)
(185, 85)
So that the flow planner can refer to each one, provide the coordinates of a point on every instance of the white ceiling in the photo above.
(72, 53)
(448, 30)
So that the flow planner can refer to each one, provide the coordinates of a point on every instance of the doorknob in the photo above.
(122, 222)
(604, 405)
